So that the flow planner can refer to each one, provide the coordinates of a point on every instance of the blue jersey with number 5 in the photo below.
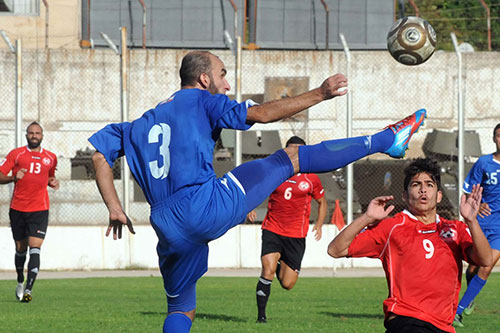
(170, 148)
(486, 172)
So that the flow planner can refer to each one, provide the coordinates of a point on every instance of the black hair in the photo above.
(34, 123)
(295, 140)
(426, 165)
(495, 130)
(193, 65)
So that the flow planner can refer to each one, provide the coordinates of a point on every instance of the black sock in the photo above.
(263, 292)
(469, 275)
(20, 259)
(33, 267)
(278, 268)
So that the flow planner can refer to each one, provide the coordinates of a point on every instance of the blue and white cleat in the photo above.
(403, 131)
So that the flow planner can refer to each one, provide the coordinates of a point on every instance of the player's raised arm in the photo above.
(104, 180)
(480, 252)
(283, 108)
(376, 211)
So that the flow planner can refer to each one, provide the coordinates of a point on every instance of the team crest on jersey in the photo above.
(46, 161)
(303, 186)
(448, 234)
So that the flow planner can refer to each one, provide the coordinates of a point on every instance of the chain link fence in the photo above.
(74, 93)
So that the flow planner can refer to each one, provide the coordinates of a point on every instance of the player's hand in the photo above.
(469, 204)
(116, 222)
(318, 232)
(20, 174)
(252, 216)
(377, 209)
(54, 183)
(484, 210)
(333, 86)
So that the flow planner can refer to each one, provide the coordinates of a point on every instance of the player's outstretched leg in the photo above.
(331, 155)
(260, 177)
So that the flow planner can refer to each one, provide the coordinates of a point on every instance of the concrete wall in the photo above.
(73, 93)
(81, 248)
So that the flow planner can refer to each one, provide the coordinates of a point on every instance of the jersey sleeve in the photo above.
(7, 164)
(52, 171)
(475, 176)
(318, 191)
(225, 113)
(370, 242)
(109, 141)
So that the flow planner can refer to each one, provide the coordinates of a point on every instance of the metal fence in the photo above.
(73, 93)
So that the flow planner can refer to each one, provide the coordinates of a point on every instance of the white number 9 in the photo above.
(429, 248)
(288, 193)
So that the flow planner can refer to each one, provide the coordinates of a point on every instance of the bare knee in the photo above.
(190, 314)
(287, 285)
(484, 272)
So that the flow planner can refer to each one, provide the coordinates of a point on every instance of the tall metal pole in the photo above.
(143, 23)
(460, 147)
(46, 23)
(488, 22)
(19, 93)
(350, 187)
(124, 113)
(327, 14)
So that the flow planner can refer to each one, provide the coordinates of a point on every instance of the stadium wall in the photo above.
(86, 248)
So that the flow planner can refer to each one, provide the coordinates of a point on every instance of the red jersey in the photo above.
(289, 205)
(30, 192)
(422, 263)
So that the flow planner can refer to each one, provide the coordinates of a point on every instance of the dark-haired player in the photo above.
(485, 172)
(33, 169)
(284, 231)
(170, 149)
(420, 251)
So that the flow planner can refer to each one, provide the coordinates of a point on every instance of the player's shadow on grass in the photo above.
(210, 316)
(352, 315)
(207, 316)
(152, 313)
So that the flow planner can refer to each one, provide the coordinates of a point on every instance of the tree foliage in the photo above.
(466, 18)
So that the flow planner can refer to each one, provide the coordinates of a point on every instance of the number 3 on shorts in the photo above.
(429, 248)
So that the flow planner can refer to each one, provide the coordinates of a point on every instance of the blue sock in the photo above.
(331, 155)
(177, 323)
(475, 286)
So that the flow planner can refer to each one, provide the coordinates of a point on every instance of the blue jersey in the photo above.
(170, 148)
(486, 172)
(169, 151)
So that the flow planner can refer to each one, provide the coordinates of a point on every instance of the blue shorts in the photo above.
(491, 229)
(185, 227)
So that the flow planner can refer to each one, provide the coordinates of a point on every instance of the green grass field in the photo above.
(224, 305)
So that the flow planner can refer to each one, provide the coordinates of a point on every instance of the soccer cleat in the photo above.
(403, 131)
(26, 296)
(262, 320)
(457, 322)
(19, 291)
(470, 308)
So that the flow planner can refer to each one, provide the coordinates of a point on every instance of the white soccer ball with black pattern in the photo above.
(411, 40)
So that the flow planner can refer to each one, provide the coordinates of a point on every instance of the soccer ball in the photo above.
(411, 40)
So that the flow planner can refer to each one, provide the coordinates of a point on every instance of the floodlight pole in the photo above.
(349, 182)
(460, 144)
(124, 113)
(17, 50)
(19, 93)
